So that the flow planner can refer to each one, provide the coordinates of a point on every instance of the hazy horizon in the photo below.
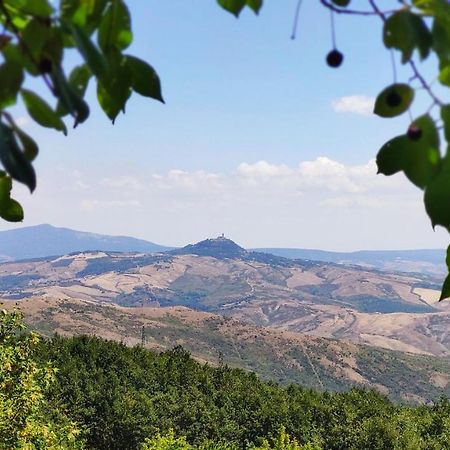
(258, 139)
(201, 238)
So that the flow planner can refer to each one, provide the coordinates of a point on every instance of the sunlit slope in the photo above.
(389, 310)
(276, 355)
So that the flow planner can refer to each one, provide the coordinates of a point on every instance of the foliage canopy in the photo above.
(27, 420)
(132, 398)
(125, 396)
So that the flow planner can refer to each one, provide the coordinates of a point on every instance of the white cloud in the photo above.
(123, 182)
(80, 183)
(91, 205)
(319, 175)
(263, 169)
(187, 181)
(320, 203)
(357, 104)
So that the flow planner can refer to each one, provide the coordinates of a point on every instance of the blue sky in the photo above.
(258, 138)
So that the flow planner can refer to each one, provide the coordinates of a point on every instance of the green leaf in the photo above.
(445, 291)
(91, 54)
(44, 43)
(441, 42)
(419, 158)
(79, 79)
(13, 53)
(144, 79)
(445, 116)
(41, 112)
(74, 11)
(85, 14)
(39, 8)
(54, 46)
(69, 98)
(78, 82)
(437, 196)
(406, 31)
(10, 209)
(390, 158)
(233, 6)
(436, 8)
(34, 36)
(394, 100)
(11, 78)
(29, 147)
(342, 3)
(114, 32)
(444, 75)
(114, 89)
(422, 159)
(255, 5)
(13, 159)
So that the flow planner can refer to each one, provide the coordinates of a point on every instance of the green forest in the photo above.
(86, 392)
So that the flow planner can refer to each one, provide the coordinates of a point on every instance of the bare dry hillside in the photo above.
(276, 355)
(389, 310)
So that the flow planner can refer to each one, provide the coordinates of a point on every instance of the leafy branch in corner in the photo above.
(415, 29)
(33, 42)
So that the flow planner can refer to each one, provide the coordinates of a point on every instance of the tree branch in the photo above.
(16, 32)
(334, 8)
(412, 64)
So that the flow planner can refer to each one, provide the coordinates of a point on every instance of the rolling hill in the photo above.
(390, 310)
(359, 325)
(281, 356)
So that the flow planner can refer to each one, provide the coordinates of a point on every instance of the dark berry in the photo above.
(45, 65)
(335, 58)
(414, 132)
(393, 99)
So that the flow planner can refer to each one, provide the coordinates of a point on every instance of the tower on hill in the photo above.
(220, 247)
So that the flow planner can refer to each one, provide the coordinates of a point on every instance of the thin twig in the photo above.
(377, 10)
(334, 8)
(424, 84)
(394, 66)
(333, 30)
(296, 16)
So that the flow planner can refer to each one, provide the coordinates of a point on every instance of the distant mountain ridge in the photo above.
(431, 261)
(46, 240)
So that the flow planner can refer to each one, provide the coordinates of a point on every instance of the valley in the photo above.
(276, 355)
(395, 311)
(324, 325)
